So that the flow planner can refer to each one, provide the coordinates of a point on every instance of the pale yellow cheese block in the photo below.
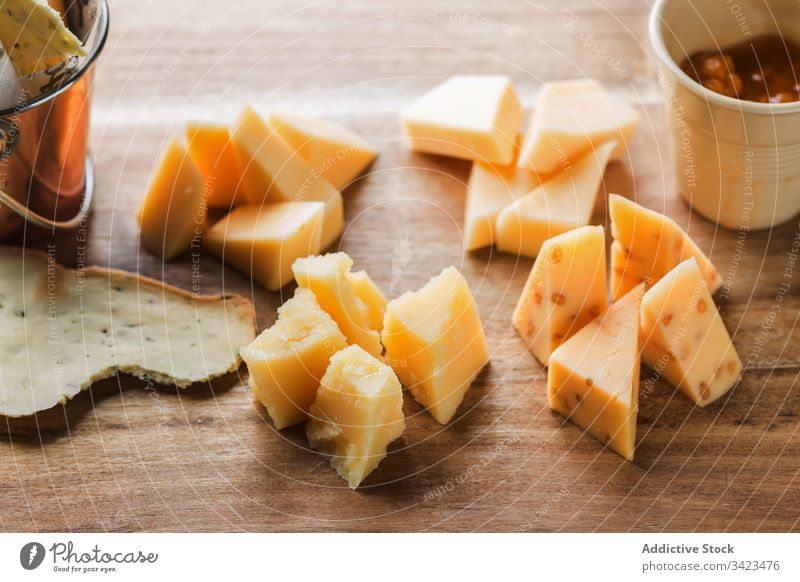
(172, 214)
(328, 276)
(593, 377)
(66, 328)
(336, 153)
(648, 245)
(264, 241)
(287, 361)
(557, 206)
(565, 290)
(474, 117)
(491, 188)
(572, 118)
(371, 296)
(273, 171)
(357, 413)
(684, 337)
(435, 342)
(35, 37)
(212, 151)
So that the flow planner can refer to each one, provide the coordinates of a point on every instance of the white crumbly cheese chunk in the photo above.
(64, 329)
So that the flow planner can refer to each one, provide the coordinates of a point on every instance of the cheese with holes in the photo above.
(287, 361)
(272, 171)
(685, 340)
(474, 117)
(648, 245)
(336, 153)
(173, 212)
(213, 153)
(491, 188)
(328, 276)
(593, 377)
(572, 118)
(371, 297)
(565, 290)
(557, 206)
(358, 411)
(435, 343)
(35, 37)
(264, 241)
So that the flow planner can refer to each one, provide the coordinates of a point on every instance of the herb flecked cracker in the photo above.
(63, 329)
(34, 36)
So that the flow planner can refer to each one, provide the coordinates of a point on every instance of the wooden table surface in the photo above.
(120, 458)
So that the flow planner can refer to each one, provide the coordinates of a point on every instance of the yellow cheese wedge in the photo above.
(328, 276)
(212, 151)
(684, 338)
(648, 245)
(557, 206)
(474, 117)
(565, 290)
(34, 36)
(264, 241)
(273, 171)
(336, 153)
(357, 413)
(371, 296)
(287, 361)
(435, 343)
(490, 189)
(572, 118)
(593, 377)
(172, 214)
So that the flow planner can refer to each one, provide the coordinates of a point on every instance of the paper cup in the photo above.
(738, 162)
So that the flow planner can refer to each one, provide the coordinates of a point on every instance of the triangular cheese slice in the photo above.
(336, 153)
(648, 245)
(593, 378)
(565, 290)
(684, 337)
(572, 117)
(560, 204)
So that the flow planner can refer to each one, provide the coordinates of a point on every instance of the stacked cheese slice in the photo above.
(662, 314)
(324, 361)
(280, 179)
(519, 195)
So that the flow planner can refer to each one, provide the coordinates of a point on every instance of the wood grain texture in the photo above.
(123, 458)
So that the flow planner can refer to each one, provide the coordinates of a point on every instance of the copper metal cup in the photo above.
(46, 176)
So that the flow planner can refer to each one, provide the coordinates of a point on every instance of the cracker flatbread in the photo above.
(62, 329)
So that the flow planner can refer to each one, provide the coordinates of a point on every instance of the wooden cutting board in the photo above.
(122, 458)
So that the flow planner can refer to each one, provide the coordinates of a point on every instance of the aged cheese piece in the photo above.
(593, 377)
(213, 153)
(272, 171)
(64, 329)
(287, 361)
(572, 117)
(684, 338)
(648, 245)
(435, 343)
(173, 212)
(371, 296)
(560, 204)
(336, 153)
(475, 117)
(264, 241)
(565, 290)
(34, 36)
(490, 189)
(328, 276)
(357, 413)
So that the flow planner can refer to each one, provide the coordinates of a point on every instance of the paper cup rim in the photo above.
(657, 41)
